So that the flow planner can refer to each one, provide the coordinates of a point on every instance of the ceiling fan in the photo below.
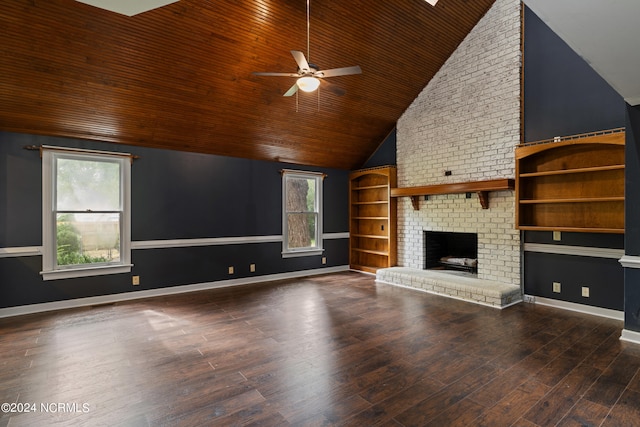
(309, 75)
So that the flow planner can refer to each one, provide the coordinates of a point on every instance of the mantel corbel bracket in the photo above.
(483, 196)
(415, 202)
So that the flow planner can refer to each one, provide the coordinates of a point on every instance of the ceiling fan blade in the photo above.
(293, 89)
(339, 71)
(275, 74)
(301, 60)
(336, 90)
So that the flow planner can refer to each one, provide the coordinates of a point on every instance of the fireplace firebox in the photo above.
(446, 250)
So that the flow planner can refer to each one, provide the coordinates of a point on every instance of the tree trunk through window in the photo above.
(298, 219)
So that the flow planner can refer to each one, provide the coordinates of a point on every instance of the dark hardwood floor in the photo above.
(327, 350)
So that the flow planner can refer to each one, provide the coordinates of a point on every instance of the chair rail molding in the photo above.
(630, 261)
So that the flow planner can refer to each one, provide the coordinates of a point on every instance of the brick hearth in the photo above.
(453, 284)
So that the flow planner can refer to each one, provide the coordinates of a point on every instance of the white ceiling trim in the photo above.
(128, 7)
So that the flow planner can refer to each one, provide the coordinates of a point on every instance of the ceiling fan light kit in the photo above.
(309, 75)
(308, 84)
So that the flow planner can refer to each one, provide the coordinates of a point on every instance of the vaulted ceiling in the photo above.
(180, 76)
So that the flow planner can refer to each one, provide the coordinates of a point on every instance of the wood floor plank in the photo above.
(387, 382)
(329, 350)
(614, 380)
(555, 371)
(626, 412)
(443, 403)
(396, 404)
(634, 384)
(584, 413)
(460, 414)
(559, 401)
(498, 387)
(511, 407)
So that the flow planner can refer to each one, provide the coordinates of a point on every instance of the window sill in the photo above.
(311, 252)
(85, 272)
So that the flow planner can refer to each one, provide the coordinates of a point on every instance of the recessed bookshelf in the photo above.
(372, 213)
(573, 184)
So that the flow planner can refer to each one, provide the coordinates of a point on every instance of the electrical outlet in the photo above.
(252, 268)
(135, 280)
(585, 291)
(557, 236)
(324, 259)
(231, 270)
(556, 287)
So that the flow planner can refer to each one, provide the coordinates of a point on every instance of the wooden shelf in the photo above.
(370, 236)
(372, 219)
(574, 184)
(571, 229)
(575, 200)
(482, 188)
(369, 251)
(377, 202)
(569, 171)
(370, 187)
(365, 268)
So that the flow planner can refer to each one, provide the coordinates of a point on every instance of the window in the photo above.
(85, 213)
(302, 213)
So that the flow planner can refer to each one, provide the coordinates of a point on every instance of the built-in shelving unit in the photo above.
(573, 184)
(372, 213)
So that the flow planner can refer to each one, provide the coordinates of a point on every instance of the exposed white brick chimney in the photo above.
(467, 121)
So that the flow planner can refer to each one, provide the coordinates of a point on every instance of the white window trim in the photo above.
(318, 249)
(49, 272)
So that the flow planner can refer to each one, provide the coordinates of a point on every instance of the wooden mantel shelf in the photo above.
(481, 187)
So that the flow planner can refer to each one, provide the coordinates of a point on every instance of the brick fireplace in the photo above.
(464, 126)
(498, 252)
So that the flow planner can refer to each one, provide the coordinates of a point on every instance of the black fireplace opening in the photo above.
(446, 250)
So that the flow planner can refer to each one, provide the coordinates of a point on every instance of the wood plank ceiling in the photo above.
(179, 77)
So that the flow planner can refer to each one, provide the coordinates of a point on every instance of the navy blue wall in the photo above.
(564, 96)
(632, 219)
(385, 154)
(603, 276)
(175, 195)
(632, 181)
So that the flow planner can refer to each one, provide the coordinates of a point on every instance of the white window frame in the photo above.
(318, 248)
(50, 271)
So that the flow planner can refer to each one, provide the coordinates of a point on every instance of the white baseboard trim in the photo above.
(630, 336)
(180, 289)
(580, 308)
